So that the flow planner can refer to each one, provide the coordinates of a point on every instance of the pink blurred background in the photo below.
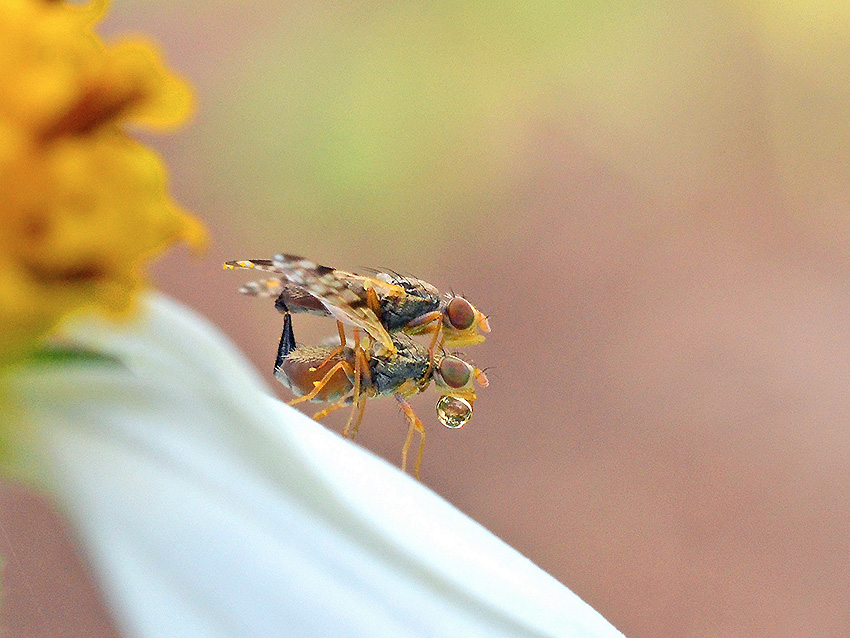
(649, 199)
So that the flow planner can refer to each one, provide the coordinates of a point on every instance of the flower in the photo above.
(82, 204)
(209, 508)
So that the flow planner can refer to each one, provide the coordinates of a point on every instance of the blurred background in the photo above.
(649, 199)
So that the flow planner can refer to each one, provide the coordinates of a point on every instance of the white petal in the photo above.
(211, 509)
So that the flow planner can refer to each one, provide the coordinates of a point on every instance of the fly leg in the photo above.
(336, 405)
(361, 363)
(414, 424)
(345, 366)
(437, 334)
(359, 418)
(336, 350)
(360, 355)
(424, 324)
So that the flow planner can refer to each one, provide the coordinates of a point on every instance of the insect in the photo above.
(381, 304)
(389, 308)
(343, 376)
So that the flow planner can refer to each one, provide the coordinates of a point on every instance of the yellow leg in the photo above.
(355, 401)
(318, 385)
(423, 327)
(359, 418)
(336, 350)
(437, 334)
(336, 405)
(414, 424)
(360, 355)
(360, 363)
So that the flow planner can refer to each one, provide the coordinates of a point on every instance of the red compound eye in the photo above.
(460, 313)
(455, 373)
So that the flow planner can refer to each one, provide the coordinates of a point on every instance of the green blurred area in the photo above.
(349, 119)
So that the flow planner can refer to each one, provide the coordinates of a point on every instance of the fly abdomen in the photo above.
(305, 365)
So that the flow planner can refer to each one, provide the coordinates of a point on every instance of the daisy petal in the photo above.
(211, 509)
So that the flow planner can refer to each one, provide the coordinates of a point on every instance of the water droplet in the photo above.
(454, 412)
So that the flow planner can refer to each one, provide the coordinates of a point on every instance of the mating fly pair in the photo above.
(389, 309)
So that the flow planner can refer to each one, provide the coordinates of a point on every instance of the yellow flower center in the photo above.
(82, 205)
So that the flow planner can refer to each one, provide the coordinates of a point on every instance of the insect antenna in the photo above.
(488, 369)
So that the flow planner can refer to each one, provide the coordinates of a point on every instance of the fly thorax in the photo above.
(397, 313)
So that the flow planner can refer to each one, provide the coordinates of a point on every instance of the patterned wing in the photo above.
(384, 288)
(405, 283)
(382, 284)
(262, 288)
(336, 292)
(297, 300)
(257, 264)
